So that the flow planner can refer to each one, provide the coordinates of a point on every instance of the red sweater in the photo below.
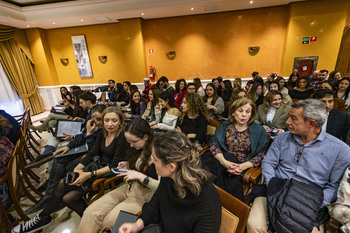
(178, 97)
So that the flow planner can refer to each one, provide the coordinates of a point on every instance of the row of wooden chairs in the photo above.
(21, 181)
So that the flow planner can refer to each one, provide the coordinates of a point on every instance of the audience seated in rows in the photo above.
(61, 165)
(107, 152)
(291, 169)
(286, 100)
(73, 112)
(141, 181)
(238, 145)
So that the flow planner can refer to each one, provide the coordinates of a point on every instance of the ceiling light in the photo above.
(251, 2)
(81, 20)
(103, 19)
(28, 26)
(142, 13)
(192, 9)
(53, 23)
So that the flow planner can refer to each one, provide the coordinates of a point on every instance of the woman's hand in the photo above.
(178, 129)
(131, 227)
(90, 126)
(191, 135)
(154, 126)
(123, 164)
(79, 168)
(62, 150)
(157, 108)
(267, 129)
(83, 176)
(237, 169)
(131, 175)
(127, 115)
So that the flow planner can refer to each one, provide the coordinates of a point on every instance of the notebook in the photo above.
(122, 218)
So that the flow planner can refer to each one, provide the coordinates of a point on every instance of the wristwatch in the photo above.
(146, 181)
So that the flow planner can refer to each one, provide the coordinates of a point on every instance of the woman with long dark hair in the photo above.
(227, 90)
(137, 106)
(141, 181)
(65, 95)
(344, 90)
(153, 105)
(169, 113)
(256, 93)
(180, 91)
(215, 104)
(302, 89)
(199, 88)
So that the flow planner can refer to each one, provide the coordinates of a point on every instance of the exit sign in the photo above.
(309, 40)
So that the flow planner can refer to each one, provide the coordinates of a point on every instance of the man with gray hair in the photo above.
(306, 156)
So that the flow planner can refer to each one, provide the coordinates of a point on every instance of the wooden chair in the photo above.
(101, 185)
(333, 226)
(233, 209)
(13, 177)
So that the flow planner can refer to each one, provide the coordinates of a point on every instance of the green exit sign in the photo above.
(306, 40)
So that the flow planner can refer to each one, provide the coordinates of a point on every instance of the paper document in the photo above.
(67, 127)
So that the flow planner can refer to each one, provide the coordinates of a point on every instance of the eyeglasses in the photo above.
(133, 143)
(299, 152)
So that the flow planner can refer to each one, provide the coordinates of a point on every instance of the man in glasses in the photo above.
(305, 158)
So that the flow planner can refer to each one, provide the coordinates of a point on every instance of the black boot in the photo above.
(38, 206)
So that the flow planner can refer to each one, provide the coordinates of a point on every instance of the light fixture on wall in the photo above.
(103, 59)
(64, 61)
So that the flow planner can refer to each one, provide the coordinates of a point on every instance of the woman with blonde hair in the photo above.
(193, 120)
(141, 181)
(185, 200)
(238, 145)
(108, 151)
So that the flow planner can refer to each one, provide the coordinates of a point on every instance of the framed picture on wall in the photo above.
(305, 65)
(82, 56)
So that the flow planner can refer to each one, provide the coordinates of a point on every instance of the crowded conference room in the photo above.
(211, 116)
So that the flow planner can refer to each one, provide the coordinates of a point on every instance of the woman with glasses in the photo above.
(271, 114)
(185, 200)
(140, 177)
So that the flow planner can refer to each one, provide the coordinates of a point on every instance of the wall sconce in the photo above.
(103, 59)
(64, 61)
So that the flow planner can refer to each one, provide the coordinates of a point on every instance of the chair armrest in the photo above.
(98, 183)
(204, 149)
(109, 183)
(250, 179)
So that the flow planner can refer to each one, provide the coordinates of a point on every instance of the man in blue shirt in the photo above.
(307, 154)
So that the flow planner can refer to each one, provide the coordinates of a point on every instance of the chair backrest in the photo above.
(236, 207)
(229, 222)
(212, 126)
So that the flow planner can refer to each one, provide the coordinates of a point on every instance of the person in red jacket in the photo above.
(180, 91)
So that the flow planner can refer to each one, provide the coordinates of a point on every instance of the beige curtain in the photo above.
(7, 32)
(20, 71)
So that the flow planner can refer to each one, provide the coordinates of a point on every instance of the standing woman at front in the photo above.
(185, 200)
(214, 103)
(180, 91)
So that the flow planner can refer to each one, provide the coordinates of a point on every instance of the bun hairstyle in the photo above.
(174, 147)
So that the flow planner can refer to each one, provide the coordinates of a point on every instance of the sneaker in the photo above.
(33, 225)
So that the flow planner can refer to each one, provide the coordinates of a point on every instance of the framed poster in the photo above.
(305, 65)
(82, 56)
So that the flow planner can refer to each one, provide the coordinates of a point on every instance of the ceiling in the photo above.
(49, 14)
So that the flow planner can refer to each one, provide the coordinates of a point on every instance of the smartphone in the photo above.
(116, 170)
(272, 130)
(71, 177)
